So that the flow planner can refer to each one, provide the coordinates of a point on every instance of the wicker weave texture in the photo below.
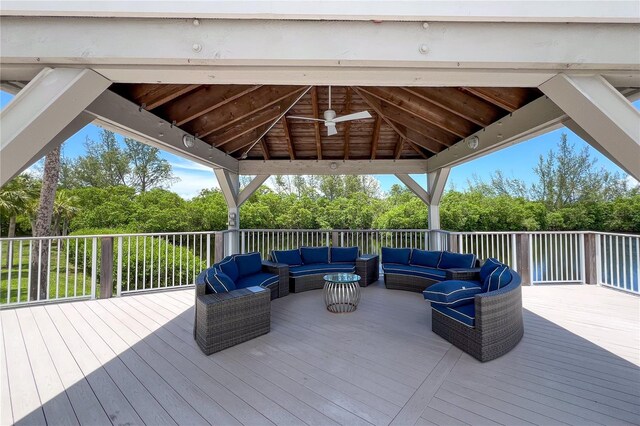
(368, 267)
(407, 282)
(498, 324)
(227, 319)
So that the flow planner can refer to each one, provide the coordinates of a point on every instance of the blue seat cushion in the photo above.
(396, 255)
(321, 268)
(488, 267)
(248, 264)
(312, 255)
(425, 258)
(450, 260)
(229, 267)
(261, 279)
(290, 257)
(416, 271)
(218, 282)
(452, 292)
(500, 277)
(465, 314)
(344, 254)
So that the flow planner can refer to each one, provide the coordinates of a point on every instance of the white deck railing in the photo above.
(37, 270)
(618, 258)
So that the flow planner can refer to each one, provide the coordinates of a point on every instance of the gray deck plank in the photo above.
(25, 401)
(147, 407)
(111, 397)
(55, 402)
(578, 363)
(84, 401)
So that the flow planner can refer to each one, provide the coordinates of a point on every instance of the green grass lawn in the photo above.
(64, 281)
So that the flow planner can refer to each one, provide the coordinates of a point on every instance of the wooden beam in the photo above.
(155, 95)
(509, 99)
(262, 117)
(423, 110)
(414, 187)
(376, 136)
(399, 146)
(399, 129)
(418, 149)
(245, 140)
(391, 113)
(316, 114)
(241, 108)
(265, 149)
(287, 137)
(460, 103)
(203, 100)
(347, 125)
(332, 167)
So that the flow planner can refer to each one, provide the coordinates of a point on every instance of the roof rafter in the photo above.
(424, 110)
(347, 125)
(509, 99)
(316, 113)
(375, 138)
(287, 137)
(154, 95)
(203, 100)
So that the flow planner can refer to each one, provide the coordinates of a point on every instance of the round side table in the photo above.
(341, 292)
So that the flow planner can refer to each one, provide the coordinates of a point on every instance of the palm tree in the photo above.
(65, 207)
(14, 196)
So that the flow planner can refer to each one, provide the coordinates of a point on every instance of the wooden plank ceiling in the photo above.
(253, 121)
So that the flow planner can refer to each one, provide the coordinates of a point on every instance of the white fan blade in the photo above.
(331, 130)
(304, 118)
(354, 116)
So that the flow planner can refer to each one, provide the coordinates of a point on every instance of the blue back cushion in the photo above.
(290, 257)
(248, 264)
(425, 258)
(230, 268)
(311, 255)
(455, 260)
(396, 255)
(500, 277)
(488, 267)
(452, 293)
(344, 254)
(218, 282)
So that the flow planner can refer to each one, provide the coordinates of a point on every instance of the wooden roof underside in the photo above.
(251, 121)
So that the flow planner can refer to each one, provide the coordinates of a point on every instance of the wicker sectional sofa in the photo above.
(482, 315)
(414, 270)
(307, 266)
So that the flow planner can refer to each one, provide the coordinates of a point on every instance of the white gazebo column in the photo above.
(601, 115)
(44, 114)
(230, 186)
(436, 182)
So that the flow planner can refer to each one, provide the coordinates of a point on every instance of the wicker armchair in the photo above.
(223, 320)
(498, 323)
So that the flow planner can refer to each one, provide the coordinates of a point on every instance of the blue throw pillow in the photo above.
(248, 264)
(218, 282)
(425, 258)
(500, 277)
(452, 293)
(344, 254)
(230, 268)
(311, 255)
(450, 260)
(488, 267)
(396, 255)
(290, 257)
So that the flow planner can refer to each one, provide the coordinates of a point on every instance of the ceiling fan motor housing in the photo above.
(329, 115)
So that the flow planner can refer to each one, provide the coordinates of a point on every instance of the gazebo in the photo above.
(218, 83)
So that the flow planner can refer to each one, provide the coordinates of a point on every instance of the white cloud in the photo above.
(193, 177)
(632, 182)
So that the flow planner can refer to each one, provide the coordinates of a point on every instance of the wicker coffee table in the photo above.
(341, 292)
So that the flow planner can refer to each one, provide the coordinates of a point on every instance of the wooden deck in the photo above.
(132, 360)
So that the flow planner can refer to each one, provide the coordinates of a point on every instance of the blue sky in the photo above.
(516, 161)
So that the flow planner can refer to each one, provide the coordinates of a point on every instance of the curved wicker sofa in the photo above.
(498, 325)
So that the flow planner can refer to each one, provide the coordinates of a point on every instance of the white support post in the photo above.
(230, 186)
(436, 182)
(50, 105)
(414, 187)
(603, 113)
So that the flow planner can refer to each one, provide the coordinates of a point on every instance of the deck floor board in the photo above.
(133, 359)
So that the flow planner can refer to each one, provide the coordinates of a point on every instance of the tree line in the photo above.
(118, 187)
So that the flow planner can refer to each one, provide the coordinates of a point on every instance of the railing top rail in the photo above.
(619, 234)
(148, 234)
(342, 230)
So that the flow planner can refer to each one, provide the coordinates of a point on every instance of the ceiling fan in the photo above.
(330, 118)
